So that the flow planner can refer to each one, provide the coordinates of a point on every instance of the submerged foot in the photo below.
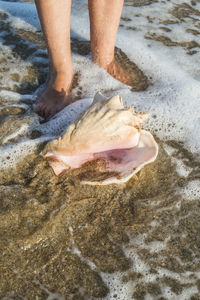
(116, 70)
(55, 96)
(124, 70)
(128, 74)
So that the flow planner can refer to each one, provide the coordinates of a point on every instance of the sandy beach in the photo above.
(139, 240)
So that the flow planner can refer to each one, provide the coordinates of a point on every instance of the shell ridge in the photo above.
(106, 131)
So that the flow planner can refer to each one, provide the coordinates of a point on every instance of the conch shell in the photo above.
(105, 142)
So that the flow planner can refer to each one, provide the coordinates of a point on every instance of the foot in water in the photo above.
(130, 75)
(124, 70)
(55, 96)
(116, 70)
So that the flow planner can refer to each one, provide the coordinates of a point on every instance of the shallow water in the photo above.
(140, 240)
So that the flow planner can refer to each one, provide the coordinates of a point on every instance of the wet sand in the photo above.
(61, 234)
(59, 237)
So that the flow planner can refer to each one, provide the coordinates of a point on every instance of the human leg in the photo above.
(55, 21)
(104, 23)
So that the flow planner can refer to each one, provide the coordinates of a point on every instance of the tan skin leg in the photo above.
(55, 22)
(104, 22)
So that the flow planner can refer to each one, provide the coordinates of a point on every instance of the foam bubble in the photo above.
(192, 190)
(13, 153)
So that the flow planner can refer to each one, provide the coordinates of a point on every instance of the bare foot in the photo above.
(55, 96)
(124, 70)
(116, 70)
(128, 74)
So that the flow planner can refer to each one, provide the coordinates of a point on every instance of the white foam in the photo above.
(192, 190)
(18, 23)
(13, 153)
(21, 131)
(25, 11)
(181, 168)
(118, 290)
(51, 296)
(8, 97)
(13, 65)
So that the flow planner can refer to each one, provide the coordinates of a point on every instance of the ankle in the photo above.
(102, 59)
(62, 69)
(62, 74)
(61, 80)
(103, 62)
